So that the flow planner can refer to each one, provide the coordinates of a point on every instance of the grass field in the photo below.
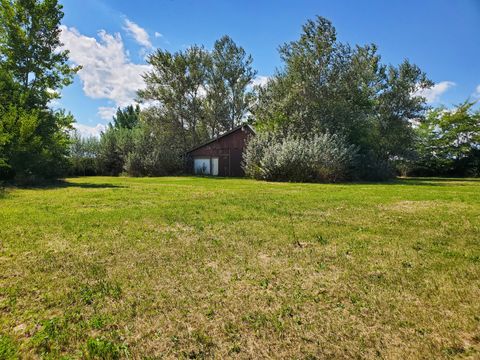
(214, 268)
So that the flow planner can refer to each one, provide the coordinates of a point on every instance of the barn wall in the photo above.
(229, 150)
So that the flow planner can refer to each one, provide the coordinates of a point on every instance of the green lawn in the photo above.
(185, 267)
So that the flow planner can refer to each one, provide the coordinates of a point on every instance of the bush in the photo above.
(151, 156)
(33, 144)
(115, 145)
(369, 166)
(83, 155)
(321, 158)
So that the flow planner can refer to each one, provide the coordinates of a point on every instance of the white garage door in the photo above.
(202, 166)
(215, 166)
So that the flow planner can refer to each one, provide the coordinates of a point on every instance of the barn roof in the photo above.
(248, 126)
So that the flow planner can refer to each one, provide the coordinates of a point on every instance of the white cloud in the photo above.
(89, 131)
(477, 92)
(158, 35)
(432, 95)
(260, 80)
(106, 112)
(138, 33)
(107, 71)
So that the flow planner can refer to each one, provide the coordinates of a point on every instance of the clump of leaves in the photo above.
(320, 239)
(47, 338)
(99, 348)
(99, 290)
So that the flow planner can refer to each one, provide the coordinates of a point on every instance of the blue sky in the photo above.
(111, 37)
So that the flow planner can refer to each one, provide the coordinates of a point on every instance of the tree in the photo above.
(29, 43)
(83, 155)
(327, 86)
(449, 142)
(34, 139)
(200, 93)
(230, 75)
(127, 117)
(114, 147)
(37, 143)
(177, 83)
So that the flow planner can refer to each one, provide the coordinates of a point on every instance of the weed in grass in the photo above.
(48, 339)
(264, 283)
(210, 313)
(454, 350)
(235, 349)
(99, 290)
(320, 239)
(99, 348)
(8, 350)
(8, 298)
(99, 321)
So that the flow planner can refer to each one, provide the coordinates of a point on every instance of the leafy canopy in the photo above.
(329, 86)
(198, 94)
(449, 141)
(33, 139)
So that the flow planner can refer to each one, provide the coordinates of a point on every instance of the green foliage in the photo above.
(199, 93)
(29, 42)
(36, 143)
(150, 148)
(33, 139)
(114, 147)
(103, 349)
(321, 157)
(127, 117)
(449, 142)
(329, 86)
(153, 155)
(177, 83)
(83, 155)
(228, 97)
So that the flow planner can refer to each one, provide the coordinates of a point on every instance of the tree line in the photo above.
(331, 112)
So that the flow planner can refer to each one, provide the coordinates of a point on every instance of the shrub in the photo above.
(320, 158)
(83, 155)
(151, 156)
(369, 166)
(33, 144)
(115, 145)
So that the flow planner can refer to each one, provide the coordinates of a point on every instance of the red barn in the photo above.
(221, 156)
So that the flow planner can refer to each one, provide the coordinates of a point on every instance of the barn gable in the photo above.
(221, 156)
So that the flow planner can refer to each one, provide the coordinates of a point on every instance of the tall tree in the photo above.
(329, 86)
(202, 93)
(35, 138)
(127, 117)
(178, 82)
(449, 142)
(231, 74)
(29, 48)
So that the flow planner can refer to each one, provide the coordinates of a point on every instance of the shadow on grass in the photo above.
(64, 184)
(435, 181)
(414, 181)
(445, 179)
